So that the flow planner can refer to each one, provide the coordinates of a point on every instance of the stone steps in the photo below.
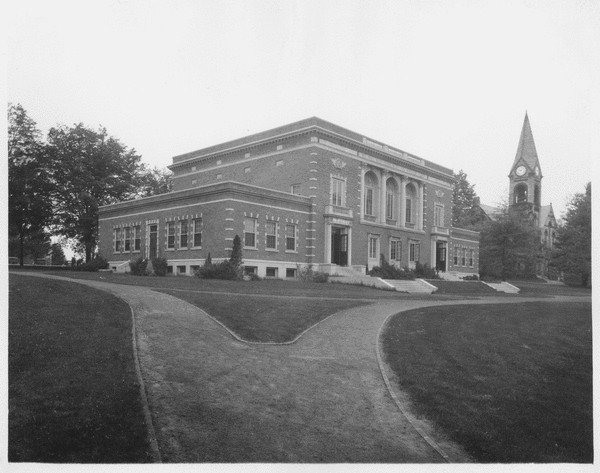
(411, 286)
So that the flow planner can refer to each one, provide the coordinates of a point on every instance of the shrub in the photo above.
(223, 270)
(388, 271)
(138, 266)
(236, 252)
(307, 274)
(471, 277)
(159, 266)
(425, 271)
(97, 263)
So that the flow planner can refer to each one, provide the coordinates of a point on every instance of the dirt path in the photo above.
(321, 399)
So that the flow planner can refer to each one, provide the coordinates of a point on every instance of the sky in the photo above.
(449, 81)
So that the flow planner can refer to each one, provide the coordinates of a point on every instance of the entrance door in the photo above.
(339, 246)
(440, 255)
(153, 241)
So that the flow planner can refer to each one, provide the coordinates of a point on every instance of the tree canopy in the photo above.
(90, 169)
(509, 247)
(573, 246)
(29, 188)
(463, 200)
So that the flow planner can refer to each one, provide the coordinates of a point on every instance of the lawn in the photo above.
(265, 319)
(510, 383)
(73, 392)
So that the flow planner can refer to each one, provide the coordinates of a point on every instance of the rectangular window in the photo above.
(250, 270)
(471, 257)
(271, 232)
(337, 191)
(136, 238)
(456, 256)
(183, 234)
(197, 232)
(389, 205)
(415, 251)
(271, 272)
(464, 256)
(369, 201)
(117, 240)
(438, 215)
(373, 250)
(180, 269)
(290, 272)
(250, 232)
(127, 239)
(408, 210)
(290, 237)
(395, 250)
(295, 189)
(171, 235)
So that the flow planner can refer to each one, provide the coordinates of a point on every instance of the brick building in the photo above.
(308, 193)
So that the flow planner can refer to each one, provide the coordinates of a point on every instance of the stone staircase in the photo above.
(418, 286)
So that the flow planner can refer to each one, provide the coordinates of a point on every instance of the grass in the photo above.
(266, 286)
(73, 393)
(264, 319)
(537, 288)
(508, 383)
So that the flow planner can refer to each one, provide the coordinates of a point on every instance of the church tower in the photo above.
(526, 178)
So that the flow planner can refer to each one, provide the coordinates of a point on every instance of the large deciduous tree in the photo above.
(573, 246)
(463, 199)
(509, 247)
(91, 169)
(29, 188)
(154, 181)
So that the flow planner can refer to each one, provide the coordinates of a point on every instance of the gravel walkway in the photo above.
(321, 399)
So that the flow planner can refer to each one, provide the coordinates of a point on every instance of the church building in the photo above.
(307, 193)
(525, 195)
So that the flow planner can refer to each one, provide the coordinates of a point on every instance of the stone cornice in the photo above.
(227, 189)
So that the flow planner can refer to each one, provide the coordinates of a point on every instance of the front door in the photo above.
(339, 246)
(440, 255)
(152, 253)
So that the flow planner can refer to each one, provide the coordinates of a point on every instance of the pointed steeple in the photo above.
(526, 150)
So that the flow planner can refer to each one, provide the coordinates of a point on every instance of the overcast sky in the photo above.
(449, 81)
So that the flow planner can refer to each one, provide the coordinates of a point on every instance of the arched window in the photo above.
(536, 195)
(371, 187)
(411, 203)
(520, 193)
(391, 197)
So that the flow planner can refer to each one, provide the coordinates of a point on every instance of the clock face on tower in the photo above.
(521, 170)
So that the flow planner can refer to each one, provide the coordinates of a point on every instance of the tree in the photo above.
(236, 252)
(463, 199)
(509, 247)
(58, 255)
(154, 181)
(573, 246)
(29, 189)
(93, 169)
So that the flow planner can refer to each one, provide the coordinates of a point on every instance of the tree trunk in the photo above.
(21, 248)
(88, 253)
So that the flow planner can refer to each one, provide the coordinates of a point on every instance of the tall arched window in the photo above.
(371, 187)
(411, 203)
(536, 195)
(391, 197)
(520, 193)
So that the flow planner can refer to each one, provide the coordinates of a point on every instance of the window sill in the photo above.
(251, 248)
(292, 251)
(195, 248)
(272, 250)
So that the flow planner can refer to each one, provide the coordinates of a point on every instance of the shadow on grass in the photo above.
(73, 393)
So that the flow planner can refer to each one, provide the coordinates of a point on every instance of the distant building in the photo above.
(525, 194)
(307, 193)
